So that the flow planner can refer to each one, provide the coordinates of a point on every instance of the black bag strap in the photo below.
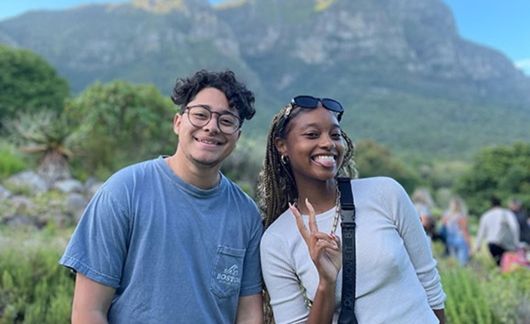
(347, 204)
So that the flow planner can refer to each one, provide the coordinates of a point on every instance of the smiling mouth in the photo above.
(208, 141)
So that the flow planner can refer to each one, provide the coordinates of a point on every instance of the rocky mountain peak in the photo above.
(166, 6)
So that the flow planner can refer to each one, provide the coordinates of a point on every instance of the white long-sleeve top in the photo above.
(396, 276)
(498, 225)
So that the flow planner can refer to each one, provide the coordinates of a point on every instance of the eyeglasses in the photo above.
(310, 102)
(200, 115)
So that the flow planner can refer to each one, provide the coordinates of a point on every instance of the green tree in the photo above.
(120, 123)
(374, 159)
(28, 83)
(503, 171)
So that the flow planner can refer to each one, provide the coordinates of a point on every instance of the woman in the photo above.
(396, 276)
(457, 234)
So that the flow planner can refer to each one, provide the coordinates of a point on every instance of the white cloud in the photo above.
(524, 65)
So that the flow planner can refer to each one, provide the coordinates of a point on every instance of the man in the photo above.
(516, 206)
(498, 227)
(171, 240)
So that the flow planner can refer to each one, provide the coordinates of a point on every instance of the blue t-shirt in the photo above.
(175, 253)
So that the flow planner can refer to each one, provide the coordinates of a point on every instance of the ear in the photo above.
(281, 146)
(177, 119)
(238, 134)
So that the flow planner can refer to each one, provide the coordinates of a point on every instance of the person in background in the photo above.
(455, 220)
(523, 220)
(498, 227)
(172, 240)
(423, 203)
(301, 251)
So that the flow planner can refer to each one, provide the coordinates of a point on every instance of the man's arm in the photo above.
(250, 309)
(91, 301)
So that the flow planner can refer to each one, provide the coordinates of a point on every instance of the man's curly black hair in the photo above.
(239, 97)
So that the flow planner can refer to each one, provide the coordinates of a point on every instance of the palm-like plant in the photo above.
(48, 135)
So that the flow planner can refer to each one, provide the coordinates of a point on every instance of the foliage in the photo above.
(11, 161)
(28, 83)
(374, 159)
(509, 300)
(244, 164)
(437, 174)
(120, 123)
(466, 301)
(501, 170)
(33, 287)
(480, 293)
(47, 135)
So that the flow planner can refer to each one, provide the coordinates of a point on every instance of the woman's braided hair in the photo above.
(276, 184)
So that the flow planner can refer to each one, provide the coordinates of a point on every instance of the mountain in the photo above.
(406, 77)
(139, 42)
(393, 44)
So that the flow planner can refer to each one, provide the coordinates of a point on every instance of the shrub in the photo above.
(509, 296)
(480, 293)
(466, 301)
(119, 123)
(502, 171)
(34, 288)
(10, 161)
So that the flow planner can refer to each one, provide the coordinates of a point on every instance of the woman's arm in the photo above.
(440, 313)
(287, 297)
(416, 244)
(324, 303)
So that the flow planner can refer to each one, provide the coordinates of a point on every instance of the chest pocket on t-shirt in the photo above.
(227, 271)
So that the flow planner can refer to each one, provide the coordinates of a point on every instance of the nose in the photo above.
(327, 142)
(213, 124)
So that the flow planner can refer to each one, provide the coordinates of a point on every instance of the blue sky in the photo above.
(504, 25)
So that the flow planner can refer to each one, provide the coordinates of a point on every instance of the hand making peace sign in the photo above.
(325, 249)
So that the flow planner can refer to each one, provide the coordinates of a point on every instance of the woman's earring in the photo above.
(284, 159)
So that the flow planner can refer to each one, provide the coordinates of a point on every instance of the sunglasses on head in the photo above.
(310, 102)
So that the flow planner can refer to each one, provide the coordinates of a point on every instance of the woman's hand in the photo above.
(324, 249)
